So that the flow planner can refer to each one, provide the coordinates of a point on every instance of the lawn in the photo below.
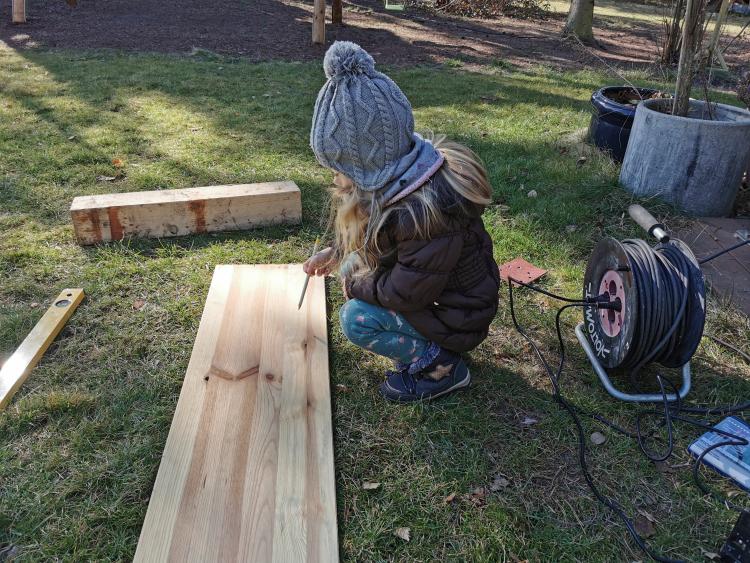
(81, 442)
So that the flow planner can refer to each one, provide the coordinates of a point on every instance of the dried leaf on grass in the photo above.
(644, 526)
(499, 482)
(403, 533)
(477, 496)
(663, 467)
(597, 438)
(450, 498)
(710, 555)
(138, 304)
(647, 515)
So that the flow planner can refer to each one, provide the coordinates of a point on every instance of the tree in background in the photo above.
(581, 20)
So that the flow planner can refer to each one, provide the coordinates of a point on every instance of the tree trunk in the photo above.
(691, 33)
(581, 20)
(337, 10)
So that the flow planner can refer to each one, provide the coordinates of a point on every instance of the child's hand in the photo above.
(319, 264)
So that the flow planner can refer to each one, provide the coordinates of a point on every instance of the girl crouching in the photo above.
(414, 257)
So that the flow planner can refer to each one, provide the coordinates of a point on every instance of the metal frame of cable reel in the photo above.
(607, 335)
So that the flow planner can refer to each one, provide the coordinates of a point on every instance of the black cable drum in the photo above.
(661, 293)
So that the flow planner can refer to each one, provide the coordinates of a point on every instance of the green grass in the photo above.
(81, 442)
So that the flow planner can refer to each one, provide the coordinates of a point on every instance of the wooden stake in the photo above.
(721, 60)
(319, 22)
(18, 367)
(720, 21)
(19, 11)
(337, 11)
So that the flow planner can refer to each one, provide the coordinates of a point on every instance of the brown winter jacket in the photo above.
(447, 286)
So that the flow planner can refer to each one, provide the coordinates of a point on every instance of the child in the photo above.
(415, 260)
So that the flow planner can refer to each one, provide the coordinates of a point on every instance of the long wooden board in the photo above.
(17, 368)
(169, 213)
(247, 471)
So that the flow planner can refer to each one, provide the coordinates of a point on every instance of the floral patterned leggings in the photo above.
(385, 332)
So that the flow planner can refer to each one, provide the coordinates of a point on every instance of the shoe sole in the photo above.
(460, 385)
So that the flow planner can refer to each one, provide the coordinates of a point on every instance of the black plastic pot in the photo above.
(611, 121)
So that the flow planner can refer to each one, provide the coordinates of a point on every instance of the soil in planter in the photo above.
(631, 97)
(707, 112)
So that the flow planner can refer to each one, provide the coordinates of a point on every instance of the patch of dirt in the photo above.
(281, 30)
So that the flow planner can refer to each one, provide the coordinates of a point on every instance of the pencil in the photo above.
(307, 279)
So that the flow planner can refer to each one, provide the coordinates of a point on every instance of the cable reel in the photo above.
(658, 305)
(644, 305)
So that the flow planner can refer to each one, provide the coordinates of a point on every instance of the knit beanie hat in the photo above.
(363, 127)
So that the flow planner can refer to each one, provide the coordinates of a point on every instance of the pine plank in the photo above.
(17, 368)
(168, 213)
(247, 470)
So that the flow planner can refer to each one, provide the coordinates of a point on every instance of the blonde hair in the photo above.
(358, 218)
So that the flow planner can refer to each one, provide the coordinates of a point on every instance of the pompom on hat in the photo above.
(345, 58)
(363, 127)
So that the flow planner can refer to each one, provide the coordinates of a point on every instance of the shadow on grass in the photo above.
(257, 121)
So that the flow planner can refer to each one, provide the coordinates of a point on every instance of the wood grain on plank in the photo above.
(247, 470)
(17, 368)
(167, 213)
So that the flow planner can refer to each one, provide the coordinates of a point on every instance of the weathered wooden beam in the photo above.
(17, 368)
(247, 472)
(169, 213)
(19, 11)
(319, 22)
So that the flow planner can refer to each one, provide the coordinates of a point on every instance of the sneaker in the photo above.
(447, 373)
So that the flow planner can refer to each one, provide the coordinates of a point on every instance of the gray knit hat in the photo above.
(363, 127)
